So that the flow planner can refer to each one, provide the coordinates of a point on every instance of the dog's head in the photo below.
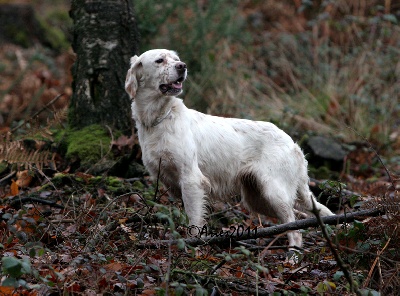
(157, 70)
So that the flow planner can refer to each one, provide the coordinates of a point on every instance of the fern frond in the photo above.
(18, 152)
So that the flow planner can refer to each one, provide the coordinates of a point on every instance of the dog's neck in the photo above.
(150, 110)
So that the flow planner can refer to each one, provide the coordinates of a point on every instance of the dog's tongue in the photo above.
(177, 85)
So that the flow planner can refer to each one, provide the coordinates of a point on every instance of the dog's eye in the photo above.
(159, 61)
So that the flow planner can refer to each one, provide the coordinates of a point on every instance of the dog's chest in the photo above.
(164, 150)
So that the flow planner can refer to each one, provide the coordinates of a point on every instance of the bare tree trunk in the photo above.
(105, 36)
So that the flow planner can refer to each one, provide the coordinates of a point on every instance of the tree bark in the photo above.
(105, 36)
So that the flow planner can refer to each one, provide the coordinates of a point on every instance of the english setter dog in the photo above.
(202, 156)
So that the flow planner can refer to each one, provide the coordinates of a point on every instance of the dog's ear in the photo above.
(132, 77)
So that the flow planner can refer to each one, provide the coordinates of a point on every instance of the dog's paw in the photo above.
(293, 257)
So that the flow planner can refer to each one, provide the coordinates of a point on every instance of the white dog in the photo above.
(203, 156)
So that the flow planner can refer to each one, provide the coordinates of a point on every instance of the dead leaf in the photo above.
(7, 290)
(14, 188)
(24, 179)
(114, 266)
(148, 292)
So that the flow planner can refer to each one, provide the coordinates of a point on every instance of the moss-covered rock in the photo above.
(89, 149)
(88, 146)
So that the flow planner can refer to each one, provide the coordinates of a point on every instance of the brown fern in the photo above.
(22, 154)
(27, 152)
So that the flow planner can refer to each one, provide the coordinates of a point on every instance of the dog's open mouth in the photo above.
(173, 87)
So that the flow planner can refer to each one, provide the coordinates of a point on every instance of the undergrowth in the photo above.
(322, 66)
(111, 235)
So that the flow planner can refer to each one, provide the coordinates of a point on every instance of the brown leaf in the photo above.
(114, 266)
(24, 179)
(7, 290)
(14, 188)
(148, 292)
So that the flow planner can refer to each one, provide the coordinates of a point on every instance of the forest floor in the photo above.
(70, 232)
(78, 234)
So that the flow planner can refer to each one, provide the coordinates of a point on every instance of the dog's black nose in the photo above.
(181, 66)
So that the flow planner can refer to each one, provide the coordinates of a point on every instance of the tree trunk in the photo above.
(105, 36)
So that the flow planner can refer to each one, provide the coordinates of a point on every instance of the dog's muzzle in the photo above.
(175, 87)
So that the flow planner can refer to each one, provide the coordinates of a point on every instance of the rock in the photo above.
(326, 148)
(324, 151)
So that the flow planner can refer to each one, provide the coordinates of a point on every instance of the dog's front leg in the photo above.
(194, 190)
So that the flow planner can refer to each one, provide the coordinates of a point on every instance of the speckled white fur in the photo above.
(207, 156)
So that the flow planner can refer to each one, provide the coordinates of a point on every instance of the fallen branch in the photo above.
(229, 238)
(17, 202)
(237, 284)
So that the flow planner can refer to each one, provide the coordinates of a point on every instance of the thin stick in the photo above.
(7, 177)
(38, 112)
(340, 262)
(375, 262)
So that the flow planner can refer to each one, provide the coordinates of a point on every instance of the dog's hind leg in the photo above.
(271, 199)
(280, 206)
(305, 199)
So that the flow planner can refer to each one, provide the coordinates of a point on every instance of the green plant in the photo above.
(16, 269)
(201, 33)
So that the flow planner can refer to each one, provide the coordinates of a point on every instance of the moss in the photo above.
(322, 172)
(88, 183)
(138, 186)
(61, 179)
(89, 149)
(114, 182)
(87, 145)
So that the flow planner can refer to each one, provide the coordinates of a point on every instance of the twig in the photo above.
(265, 232)
(63, 221)
(292, 273)
(340, 262)
(218, 266)
(38, 112)
(384, 258)
(376, 261)
(18, 201)
(7, 177)
(234, 283)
